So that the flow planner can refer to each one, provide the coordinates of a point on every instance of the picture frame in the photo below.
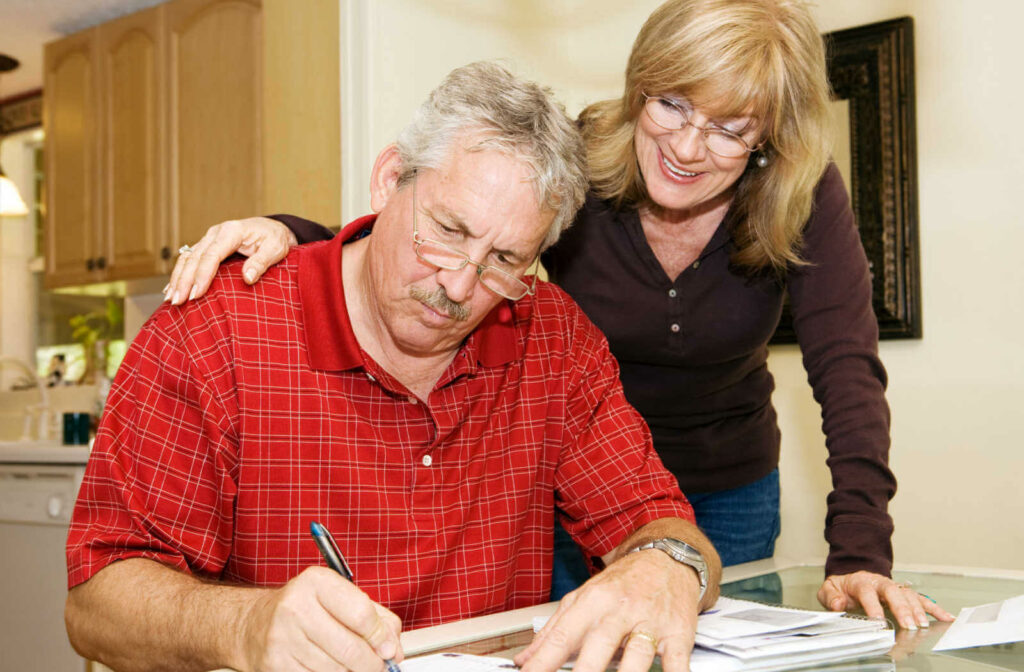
(21, 112)
(871, 70)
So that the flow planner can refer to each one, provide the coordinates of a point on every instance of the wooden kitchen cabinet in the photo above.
(215, 50)
(153, 128)
(132, 233)
(70, 117)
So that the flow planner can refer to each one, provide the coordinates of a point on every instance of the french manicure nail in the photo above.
(192, 294)
(164, 290)
(250, 276)
(176, 299)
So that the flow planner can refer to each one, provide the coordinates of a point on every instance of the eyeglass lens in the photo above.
(443, 256)
(669, 115)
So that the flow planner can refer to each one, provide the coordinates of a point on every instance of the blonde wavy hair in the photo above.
(763, 58)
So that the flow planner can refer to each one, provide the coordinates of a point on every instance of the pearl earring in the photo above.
(762, 161)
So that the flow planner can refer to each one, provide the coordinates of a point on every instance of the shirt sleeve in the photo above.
(159, 483)
(838, 335)
(609, 479)
(305, 231)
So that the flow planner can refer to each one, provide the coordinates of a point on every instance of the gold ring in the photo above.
(643, 634)
(905, 585)
(185, 249)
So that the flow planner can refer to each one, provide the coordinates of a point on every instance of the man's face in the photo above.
(480, 203)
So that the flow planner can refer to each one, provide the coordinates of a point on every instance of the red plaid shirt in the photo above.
(238, 418)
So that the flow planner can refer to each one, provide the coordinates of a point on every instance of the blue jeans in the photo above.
(742, 523)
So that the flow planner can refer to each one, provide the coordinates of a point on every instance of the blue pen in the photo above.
(336, 561)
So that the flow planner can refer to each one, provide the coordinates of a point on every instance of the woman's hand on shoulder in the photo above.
(910, 608)
(265, 241)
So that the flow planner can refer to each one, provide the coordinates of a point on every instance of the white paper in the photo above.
(730, 618)
(995, 623)
(457, 662)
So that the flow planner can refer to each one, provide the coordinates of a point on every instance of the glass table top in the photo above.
(798, 586)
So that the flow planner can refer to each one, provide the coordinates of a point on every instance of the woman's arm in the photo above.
(264, 240)
(838, 334)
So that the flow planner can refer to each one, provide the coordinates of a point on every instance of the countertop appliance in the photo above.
(38, 487)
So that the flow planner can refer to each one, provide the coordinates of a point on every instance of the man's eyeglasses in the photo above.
(672, 116)
(444, 256)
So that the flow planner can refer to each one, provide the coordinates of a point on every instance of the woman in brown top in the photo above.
(712, 197)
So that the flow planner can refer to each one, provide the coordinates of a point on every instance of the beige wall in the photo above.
(955, 394)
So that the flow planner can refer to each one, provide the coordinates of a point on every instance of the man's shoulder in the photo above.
(230, 299)
(552, 311)
(229, 283)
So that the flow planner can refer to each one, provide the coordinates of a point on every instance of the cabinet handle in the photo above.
(90, 264)
(165, 253)
(101, 263)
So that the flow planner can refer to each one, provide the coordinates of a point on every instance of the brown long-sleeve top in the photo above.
(693, 352)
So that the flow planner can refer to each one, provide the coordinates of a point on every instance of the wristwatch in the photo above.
(683, 553)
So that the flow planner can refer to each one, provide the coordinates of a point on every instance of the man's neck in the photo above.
(418, 373)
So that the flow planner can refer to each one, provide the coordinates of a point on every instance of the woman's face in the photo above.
(682, 176)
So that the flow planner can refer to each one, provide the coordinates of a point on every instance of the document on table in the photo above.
(995, 623)
(736, 636)
(457, 662)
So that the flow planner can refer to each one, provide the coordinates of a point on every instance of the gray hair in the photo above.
(519, 118)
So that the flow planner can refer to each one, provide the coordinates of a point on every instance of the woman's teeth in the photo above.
(676, 171)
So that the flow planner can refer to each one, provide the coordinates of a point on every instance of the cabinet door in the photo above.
(132, 85)
(215, 71)
(72, 180)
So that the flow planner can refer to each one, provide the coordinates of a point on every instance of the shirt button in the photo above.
(370, 376)
(413, 400)
(696, 264)
(672, 293)
(427, 460)
(675, 328)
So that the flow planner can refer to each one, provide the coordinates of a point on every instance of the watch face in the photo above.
(683, 550)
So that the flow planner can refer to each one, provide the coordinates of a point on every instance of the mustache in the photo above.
(439, 301)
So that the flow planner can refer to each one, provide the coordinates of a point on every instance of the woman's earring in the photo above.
(761, 161)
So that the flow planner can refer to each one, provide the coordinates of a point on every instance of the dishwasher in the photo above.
(35, 510)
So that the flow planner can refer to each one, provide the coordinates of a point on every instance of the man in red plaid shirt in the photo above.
(410, 386)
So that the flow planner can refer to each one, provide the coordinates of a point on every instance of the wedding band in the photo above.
(185, 249)
(643, 634)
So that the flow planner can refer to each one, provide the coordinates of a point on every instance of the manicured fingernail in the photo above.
(164, 290)
(910, 626)
(837, 604)
(924, 623)
(176, 299)
(192, 294)
(250, 276)
(387, 650)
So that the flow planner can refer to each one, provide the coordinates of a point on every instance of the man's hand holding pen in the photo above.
(319, 620)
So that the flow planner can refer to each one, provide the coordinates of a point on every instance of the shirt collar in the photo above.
(330, 341)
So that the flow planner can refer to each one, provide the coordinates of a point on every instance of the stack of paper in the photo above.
(740, 635)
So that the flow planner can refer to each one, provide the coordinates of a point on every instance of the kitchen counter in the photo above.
(42, 452)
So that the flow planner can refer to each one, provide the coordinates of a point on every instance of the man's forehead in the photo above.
(482, 177)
